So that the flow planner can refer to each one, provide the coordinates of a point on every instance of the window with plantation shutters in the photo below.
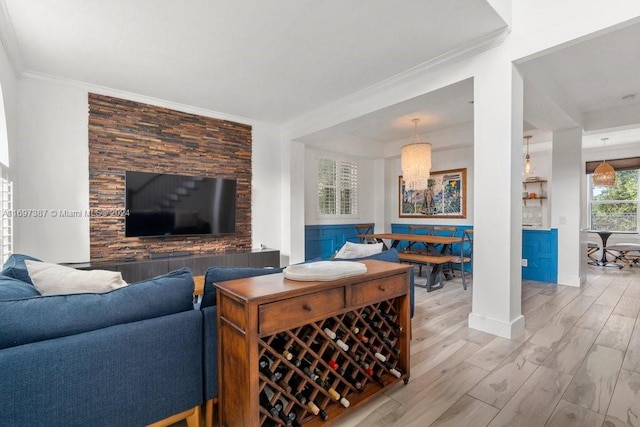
(337, 187)
(6, 190)
(6, 227)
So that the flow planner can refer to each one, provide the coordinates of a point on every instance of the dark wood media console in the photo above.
(136, 270)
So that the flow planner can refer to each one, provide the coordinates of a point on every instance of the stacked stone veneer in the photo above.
(127, 135)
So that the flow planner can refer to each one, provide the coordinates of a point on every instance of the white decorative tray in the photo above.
(324, 270)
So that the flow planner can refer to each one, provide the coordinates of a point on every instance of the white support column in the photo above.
(498, 127)
(295, 222)
(567, 203)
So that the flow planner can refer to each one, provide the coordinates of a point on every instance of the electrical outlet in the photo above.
(524, 262)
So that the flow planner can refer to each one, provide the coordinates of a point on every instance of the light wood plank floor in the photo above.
(577, 364)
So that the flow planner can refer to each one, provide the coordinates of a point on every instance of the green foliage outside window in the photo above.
(616, 208)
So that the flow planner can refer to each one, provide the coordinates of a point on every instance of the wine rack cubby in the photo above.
(306, 353)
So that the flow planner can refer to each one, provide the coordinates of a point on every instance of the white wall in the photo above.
(266, 196)
(52, 169)
(541, 25)
(9, 89)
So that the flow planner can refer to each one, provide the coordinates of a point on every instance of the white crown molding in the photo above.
(103, 90)
(459, 54)
(9, 41)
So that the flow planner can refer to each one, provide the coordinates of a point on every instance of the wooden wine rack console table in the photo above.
(305, 353)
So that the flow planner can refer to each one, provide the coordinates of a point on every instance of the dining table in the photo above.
(430, 240)
(604, 237)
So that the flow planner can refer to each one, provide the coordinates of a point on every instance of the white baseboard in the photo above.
(497, 327)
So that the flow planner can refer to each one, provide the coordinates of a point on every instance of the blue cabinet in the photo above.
(540, 249)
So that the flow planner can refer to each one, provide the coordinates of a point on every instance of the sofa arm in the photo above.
(123, 375)
(210, 352)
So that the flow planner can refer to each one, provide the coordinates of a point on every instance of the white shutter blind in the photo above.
(326, 187)
(6, 228)
(348, 188)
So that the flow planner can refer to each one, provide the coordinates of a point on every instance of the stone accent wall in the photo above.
(127, 135)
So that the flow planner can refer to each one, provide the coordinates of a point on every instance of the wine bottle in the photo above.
(264, 365)
(280, 405)
(352, 323)
(362, 337)
(387, 318)
(297, 388)
(281, 345)
(312, 373)
(339, 342)
(368, 316)
(369, 371)
(295, 354)
(266, 404)
(391, 321)
(355, 355)
(305, 392)
(391, 345)
(351, 375)
(333, 393)
(290, 417)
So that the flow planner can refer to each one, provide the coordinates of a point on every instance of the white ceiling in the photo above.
(578, 85)
(585, 83)
(441, 110)
(262, 60)
(276, 60)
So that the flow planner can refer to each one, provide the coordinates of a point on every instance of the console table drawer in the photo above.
(378, 290)
(303, 309)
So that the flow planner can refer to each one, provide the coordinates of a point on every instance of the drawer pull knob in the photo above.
(307, 307)
(383, 288)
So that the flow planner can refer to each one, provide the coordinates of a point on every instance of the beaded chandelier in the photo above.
(415, 160)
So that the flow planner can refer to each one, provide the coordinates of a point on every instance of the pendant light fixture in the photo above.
(604, 175)
(415, 160)
(527, 158)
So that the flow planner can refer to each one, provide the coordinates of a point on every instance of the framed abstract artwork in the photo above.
(444, 196)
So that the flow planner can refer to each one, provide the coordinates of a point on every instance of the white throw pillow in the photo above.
(54, 279)
(358, 250)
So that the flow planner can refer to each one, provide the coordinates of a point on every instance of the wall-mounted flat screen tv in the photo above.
(161, 204)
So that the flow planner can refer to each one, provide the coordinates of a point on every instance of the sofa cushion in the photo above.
(16, 268)
(352, 250)
(44, 317)
(221, 274)
(54, 279)
(11, 288)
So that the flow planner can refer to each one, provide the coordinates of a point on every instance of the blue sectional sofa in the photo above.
(135, 356)
(129, 357)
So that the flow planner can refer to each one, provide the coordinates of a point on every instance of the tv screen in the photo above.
(171, 205)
